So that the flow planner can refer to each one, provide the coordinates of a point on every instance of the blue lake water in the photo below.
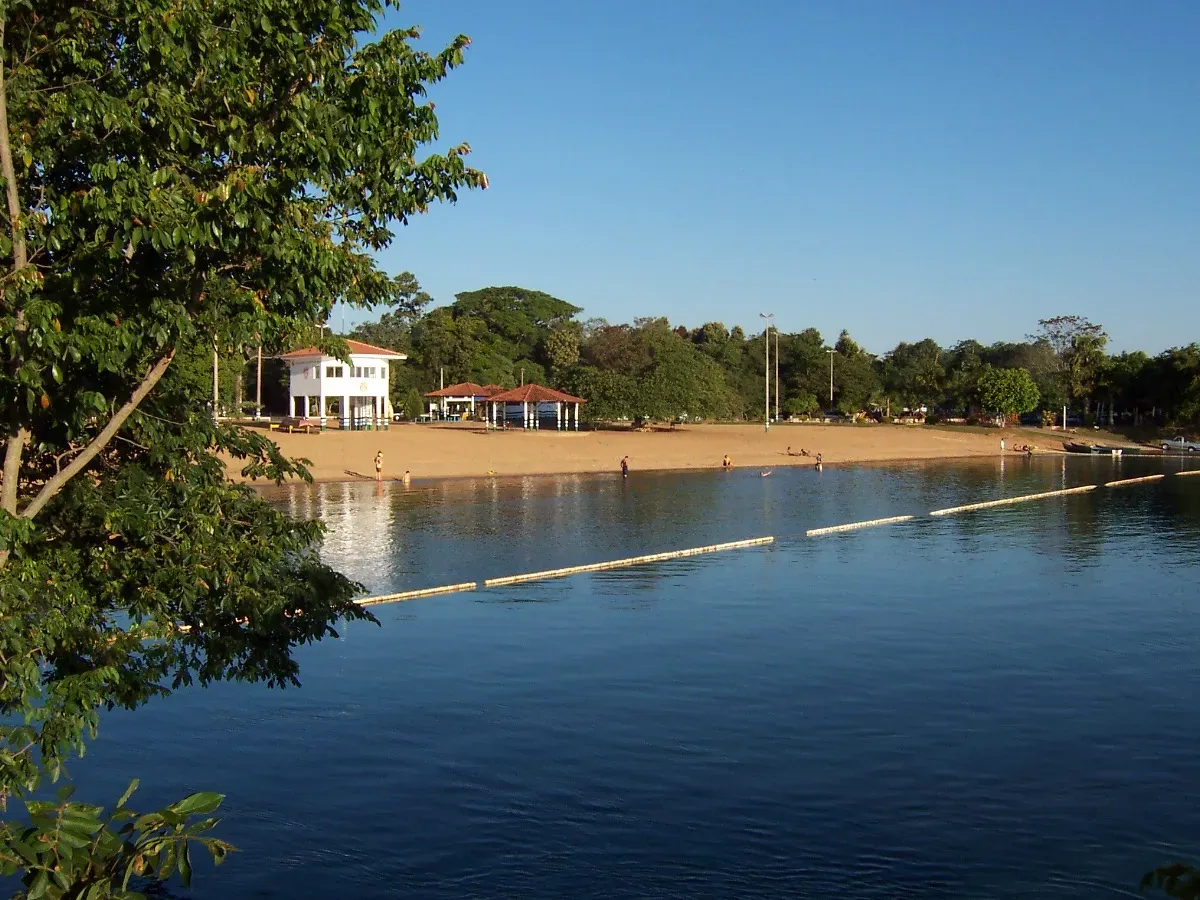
(999, 704)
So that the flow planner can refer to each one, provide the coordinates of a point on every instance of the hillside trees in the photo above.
(178, 176)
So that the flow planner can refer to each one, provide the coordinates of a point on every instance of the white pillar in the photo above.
(347, 413)
(321, 407)
(576, 416)
(525, 411)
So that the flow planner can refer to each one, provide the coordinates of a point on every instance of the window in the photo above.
(333, 371)
(371, 372)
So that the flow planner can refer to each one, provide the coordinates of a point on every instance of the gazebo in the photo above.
(534, 401)
(459, 398)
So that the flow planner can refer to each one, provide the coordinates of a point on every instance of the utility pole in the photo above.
(776, 373)
(216, 382)
(767, 317)
(831, 353)
(258, 387)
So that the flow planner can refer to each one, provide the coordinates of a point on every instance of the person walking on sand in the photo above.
(379, 465)
(624, 466)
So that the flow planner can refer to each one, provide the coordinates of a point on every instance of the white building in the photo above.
(322, 387)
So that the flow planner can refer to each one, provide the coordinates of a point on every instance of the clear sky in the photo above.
(938, 169)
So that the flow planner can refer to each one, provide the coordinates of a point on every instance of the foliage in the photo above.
(72, 849)
(412, 404)
(179, 176)
(1178, 880)
(801, 405)
(1078, 346)
(1007, 392)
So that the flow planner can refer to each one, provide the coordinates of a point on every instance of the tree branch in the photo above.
(13, 449)
(18, 435)
(10, 174)
(51, 488)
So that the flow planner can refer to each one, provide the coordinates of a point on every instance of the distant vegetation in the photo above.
(650, 368)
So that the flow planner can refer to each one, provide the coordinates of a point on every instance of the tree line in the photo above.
(652, 369)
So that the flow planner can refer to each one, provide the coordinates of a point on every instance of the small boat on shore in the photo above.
(1094, 449)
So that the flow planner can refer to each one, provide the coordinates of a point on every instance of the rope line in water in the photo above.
(852, 526)
(559, 573)
(1124, 481)
(629, 561)
(1007, 501)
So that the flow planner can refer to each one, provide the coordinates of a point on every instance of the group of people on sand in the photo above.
(379, 469)
(1023, 448)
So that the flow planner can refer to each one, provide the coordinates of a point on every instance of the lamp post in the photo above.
(777, 373)
(767, 317)
(831, 354)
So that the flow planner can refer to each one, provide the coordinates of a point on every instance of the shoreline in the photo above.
(456, 453)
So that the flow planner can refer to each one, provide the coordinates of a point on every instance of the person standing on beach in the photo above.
(407, 478)
(1001, 445)
(727, 463)
(379, 465)
(624, 466)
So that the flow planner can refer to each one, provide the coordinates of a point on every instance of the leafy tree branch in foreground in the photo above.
(179, 178)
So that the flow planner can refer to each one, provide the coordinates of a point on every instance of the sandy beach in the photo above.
(450, 451)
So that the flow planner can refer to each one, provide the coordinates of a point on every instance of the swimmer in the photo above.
(764, 474)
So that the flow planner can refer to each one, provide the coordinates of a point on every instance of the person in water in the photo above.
(727, 463)
(624, 466)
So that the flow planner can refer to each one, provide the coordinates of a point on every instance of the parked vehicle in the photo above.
(1180, 444)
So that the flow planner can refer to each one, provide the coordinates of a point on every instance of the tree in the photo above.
(561, 349)
(412, 404)
(178, 176)
(1078, 346)
(913, 373)
(855, 378)
(609, 395)
(1007, 392)
(801, 405)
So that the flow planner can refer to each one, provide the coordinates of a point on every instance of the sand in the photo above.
(449, 451)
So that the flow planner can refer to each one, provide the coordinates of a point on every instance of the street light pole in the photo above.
(767, 317)
(831, 353)
(777, 374)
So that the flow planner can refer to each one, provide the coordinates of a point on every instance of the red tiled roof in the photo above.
(535, 393)
(357, 347)
(462, 389)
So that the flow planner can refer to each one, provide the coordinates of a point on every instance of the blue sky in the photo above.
(903, 170)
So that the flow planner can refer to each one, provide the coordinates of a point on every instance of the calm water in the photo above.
(1002, 704)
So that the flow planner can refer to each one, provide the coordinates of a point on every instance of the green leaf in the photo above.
(204, 802)
(133, 786)
(185, 866)
(38, 887)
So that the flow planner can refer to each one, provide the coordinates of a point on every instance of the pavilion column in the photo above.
(576, 416)
(558, 414)
(537, 419)
(347, 414)
(321, 408)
